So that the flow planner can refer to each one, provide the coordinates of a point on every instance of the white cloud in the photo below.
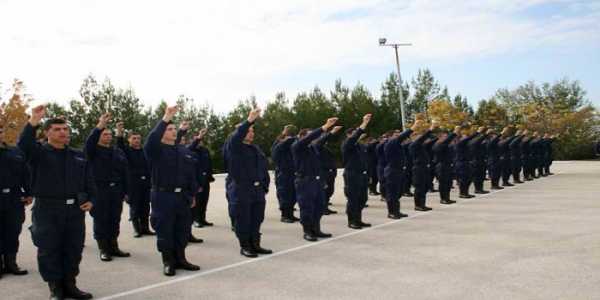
(222, 51)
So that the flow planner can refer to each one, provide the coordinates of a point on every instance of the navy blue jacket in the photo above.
(246, 164)
(417, 150)
(281, 152)
(204, 169)
(462, 149)
(306, 158)
(515, 147)
(441, 151)
(354, 154)
(476, 149)
(14, 173)
(325, 155)
(137, 164)
(394, 154)
(109, 164)
(77, 181)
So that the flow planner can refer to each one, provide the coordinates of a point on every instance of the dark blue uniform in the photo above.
(204, 175)
(493, 160)
(477, 156)
(138, 188)
(548, 155)
(309, 184)
(281, 152)
(504, 159)
(372, 170)
(394, 172)
(443, 165)
(536, 157)
(14, 185)
(173, 187)
(515, 158)
(248, 183)
(381, 164)
(428, 144)
(408, 175)
(328, 165)
(420, 167)
(109, 166)
(62, 179)
(526, 158)
(462, 166)
(356, 180)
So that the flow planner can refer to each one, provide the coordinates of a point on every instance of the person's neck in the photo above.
(172, 143)
(247, 142)
(56, 145)
(136, 147)
(103, 145)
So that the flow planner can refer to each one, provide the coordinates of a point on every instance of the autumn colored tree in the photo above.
(13, 116)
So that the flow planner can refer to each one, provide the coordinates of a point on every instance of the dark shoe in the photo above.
(497, 187)
(72, 291)
(168, 263)
(206, 223)
(354, 225)
(115, 251)
(145, 227)
(550, 173)
(258, 249)
(518, 181)
(508, 184)
(433, 191)
(446, 201)
(198, 224)
(409, 194)
(422, 208)
(362, 224)
(320, 234)
(104, 248)
(309, 234)
(330, 212)
(287, 220)
(182, 263)
(372, 193)
(246, 249)
(137, 231)
(11, 267)
(56, 290)
(195, 240)
(295, 219)
(394, 216)
(482, 192)
(366, 205)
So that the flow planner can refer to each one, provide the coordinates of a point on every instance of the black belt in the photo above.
(167, 189)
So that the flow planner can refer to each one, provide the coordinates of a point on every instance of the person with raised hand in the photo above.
(247, 184)
(173, 189)
(477, 160)
(110, 169)
(421, 172)
(443, 163)
(356, 179)
(328, 165)
(205, 178)
(310, 186)
(281, 152)
(64, 189)
(394, 171)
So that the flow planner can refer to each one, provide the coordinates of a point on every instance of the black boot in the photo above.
(206, 223)
(309, 235)
(353, 223)
(481, 192)
(137, 230)
(168, 263)
(447, 201)
(246, 249)
(329, 211)
(71, 291)
(56, 290)
(115, 251)
(145, 226)
(258, 249)
(195, 240)
(11, 267)
(287, 216)
(320, 234)
(103, 246)
(183, 263)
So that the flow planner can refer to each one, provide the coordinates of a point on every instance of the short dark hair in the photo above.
(54, 121)
(134, 133)
(303, 132)
(350, 130)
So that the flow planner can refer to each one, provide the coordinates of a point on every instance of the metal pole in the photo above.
(400, 93)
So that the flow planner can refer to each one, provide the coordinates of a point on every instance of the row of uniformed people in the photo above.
(174, 180)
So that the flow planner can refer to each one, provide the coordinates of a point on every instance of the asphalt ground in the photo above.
(537, 240)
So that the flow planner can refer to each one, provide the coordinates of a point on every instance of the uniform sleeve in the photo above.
(92, 142)
(27, 143)
(152, 145)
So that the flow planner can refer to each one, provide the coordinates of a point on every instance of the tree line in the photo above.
(559, 108)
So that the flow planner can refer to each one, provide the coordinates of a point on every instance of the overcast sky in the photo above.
(223, 51)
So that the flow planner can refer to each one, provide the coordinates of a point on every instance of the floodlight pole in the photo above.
(382, 42)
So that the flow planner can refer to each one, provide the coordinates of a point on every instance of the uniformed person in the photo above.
(493, 159)
(421, 170)
(462, 166)
(536, 154)
(548, 153)
(15, 194)
(63, 187)
(408, 179)
(477, 160)
(138, 194)
(372, 162)
(356, 180)
(515, 157)
(504, 155)
(428, 145)
(328, 166)
(310, 187)
(382, 163)
(395, 169)
(173, 189)
(110, 168)
(205, 175)
(281, 152)
(248, 183)
(526, 156)
(443, 164)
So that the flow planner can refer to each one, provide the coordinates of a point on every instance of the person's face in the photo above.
(250, 135)
(105, 137)
(170, 134)
(58, 134)
(135, 140)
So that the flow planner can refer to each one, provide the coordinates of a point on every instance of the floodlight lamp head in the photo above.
(382, 41)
